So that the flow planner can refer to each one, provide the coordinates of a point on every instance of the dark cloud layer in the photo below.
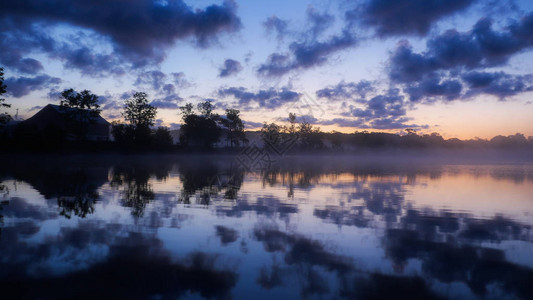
(346, 90)
(278, 26)
(318, 22)
(230, 67)
(454, 64)
(139, 31)
(164, 86)
(270, 98)
(156, 79)
(304, 55)
(498, 84)
(434, 87)
(21, 86)
(309, 49)
(404, 17)
(479, 48)
(385, 110)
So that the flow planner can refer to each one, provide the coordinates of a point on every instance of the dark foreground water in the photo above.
(203, 227)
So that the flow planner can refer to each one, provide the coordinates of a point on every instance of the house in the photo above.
(55, 116)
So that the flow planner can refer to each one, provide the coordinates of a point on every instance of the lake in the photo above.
(298, 227)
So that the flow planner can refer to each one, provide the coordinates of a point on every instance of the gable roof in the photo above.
(66, 110)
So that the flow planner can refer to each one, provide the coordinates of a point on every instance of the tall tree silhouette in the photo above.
(138, 112)
(199, 130)
(162, 138)
(235, 127)
(4, 117)
(82, 108)
(140, 115)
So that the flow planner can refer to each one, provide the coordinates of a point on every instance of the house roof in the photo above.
(66, 110)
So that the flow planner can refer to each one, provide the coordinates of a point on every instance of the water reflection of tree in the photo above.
(137, 192)
(208, 179)
(71, 181)
(3, 194)
(75, 189)
(78, 197)
(133, 177)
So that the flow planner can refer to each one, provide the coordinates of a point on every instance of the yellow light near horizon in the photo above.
(483, 118)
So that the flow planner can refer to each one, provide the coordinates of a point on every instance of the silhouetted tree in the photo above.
(82, 108)
(206, 109)
(137, 191)
(140, 115)
(412, 139)
(309, 137)
(335, 139)
(291, 129)
(162, 138)
(186, 110)
(410, 131)
(433, 140)
(235, 128)
(512, 141)
(79, 196)
(123, 134)
(278, 138)
(4, 117)
(199, 130)
(138, 112)
(271, 134)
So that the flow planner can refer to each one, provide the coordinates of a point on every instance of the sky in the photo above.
(461, 68)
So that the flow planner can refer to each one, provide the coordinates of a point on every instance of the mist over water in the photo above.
(374, 226)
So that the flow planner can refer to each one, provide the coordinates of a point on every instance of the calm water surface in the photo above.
(203, 227)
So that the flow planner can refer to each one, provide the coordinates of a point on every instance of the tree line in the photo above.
(203, 129)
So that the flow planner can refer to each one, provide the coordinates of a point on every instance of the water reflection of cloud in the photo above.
(141, 220)
(116, 261)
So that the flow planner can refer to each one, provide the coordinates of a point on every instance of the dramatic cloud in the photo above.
(166, 93)
(308, 49)
(82, 58)
(252, 125)
(179, 80)
(277, 25)
(318, 22)
(269, 99)
(479, 48)
(381, 110)
(13, 60)
(344, 91)
(231, 67)
(156, 79)
(401, 17)
(16, 41)
(342, 122)
(382, 107)
(452, 67)
(499, 84)
(139, 31)
(306, 118)
(434, 88)
(170, 101)
(21, 86)
(304, 55)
